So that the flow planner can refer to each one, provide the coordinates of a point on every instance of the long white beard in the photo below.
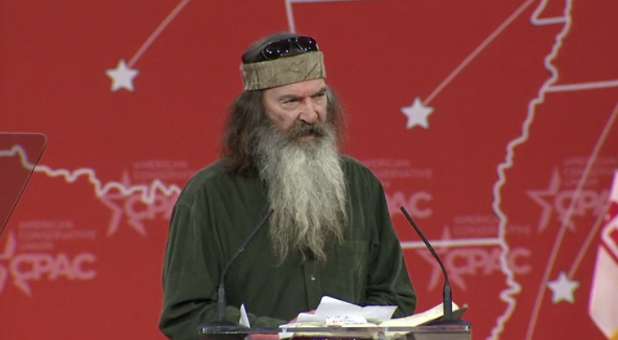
(306, 189)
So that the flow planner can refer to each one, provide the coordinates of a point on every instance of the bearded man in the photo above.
(328, 232)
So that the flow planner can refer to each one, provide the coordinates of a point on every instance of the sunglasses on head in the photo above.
(288, 47)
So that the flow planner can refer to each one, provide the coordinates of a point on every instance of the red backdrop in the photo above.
(505, 159)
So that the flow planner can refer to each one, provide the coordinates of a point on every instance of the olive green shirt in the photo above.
(217, 211)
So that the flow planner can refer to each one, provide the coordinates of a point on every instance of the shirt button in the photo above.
(312, 278)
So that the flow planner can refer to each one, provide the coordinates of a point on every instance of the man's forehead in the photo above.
(301, 88)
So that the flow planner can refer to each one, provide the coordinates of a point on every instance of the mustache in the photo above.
(301, 129)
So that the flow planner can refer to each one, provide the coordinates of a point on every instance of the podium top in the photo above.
(454, 330)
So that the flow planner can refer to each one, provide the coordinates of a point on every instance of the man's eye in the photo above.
(289, 104)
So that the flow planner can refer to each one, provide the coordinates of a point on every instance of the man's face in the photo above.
(301, 103)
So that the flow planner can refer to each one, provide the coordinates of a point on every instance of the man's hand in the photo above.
(309, 312)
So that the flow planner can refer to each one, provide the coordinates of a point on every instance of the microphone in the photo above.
(447, 296)
(221, 290)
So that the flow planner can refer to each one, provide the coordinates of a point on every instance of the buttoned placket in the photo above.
(313, 287)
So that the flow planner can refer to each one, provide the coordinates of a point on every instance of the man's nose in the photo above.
(309, 111)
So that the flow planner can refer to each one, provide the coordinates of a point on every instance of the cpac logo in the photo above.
(416, 203)
(135, 210)
(24, 268)
(461, 262)
(560, 201)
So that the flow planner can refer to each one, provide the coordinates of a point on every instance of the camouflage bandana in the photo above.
(283, 71)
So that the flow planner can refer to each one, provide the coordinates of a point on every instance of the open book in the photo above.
(336, 313)
(361, 321)
(433, 314)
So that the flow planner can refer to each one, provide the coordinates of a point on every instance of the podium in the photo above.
(460, 330)
(19, 155)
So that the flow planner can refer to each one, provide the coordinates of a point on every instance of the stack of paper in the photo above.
(333, 312)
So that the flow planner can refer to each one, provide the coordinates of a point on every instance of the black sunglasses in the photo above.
(288, 47)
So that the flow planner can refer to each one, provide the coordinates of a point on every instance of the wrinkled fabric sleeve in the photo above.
(388, 283)
(191, 274)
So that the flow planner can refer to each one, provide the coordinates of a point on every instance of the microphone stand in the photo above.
(447, 295)
(221, 325)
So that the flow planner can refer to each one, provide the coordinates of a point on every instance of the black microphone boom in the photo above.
(447, 297)
(221, 290)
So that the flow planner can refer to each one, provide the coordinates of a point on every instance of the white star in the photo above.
(110, 200)
(7, 253)
(436, 274)
(122, 76)
(417, 114)
(538, 197)
(9, 248)
(562, 289)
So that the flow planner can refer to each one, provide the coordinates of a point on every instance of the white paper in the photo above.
(332, 311)
(378, 313)
(244, 319)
